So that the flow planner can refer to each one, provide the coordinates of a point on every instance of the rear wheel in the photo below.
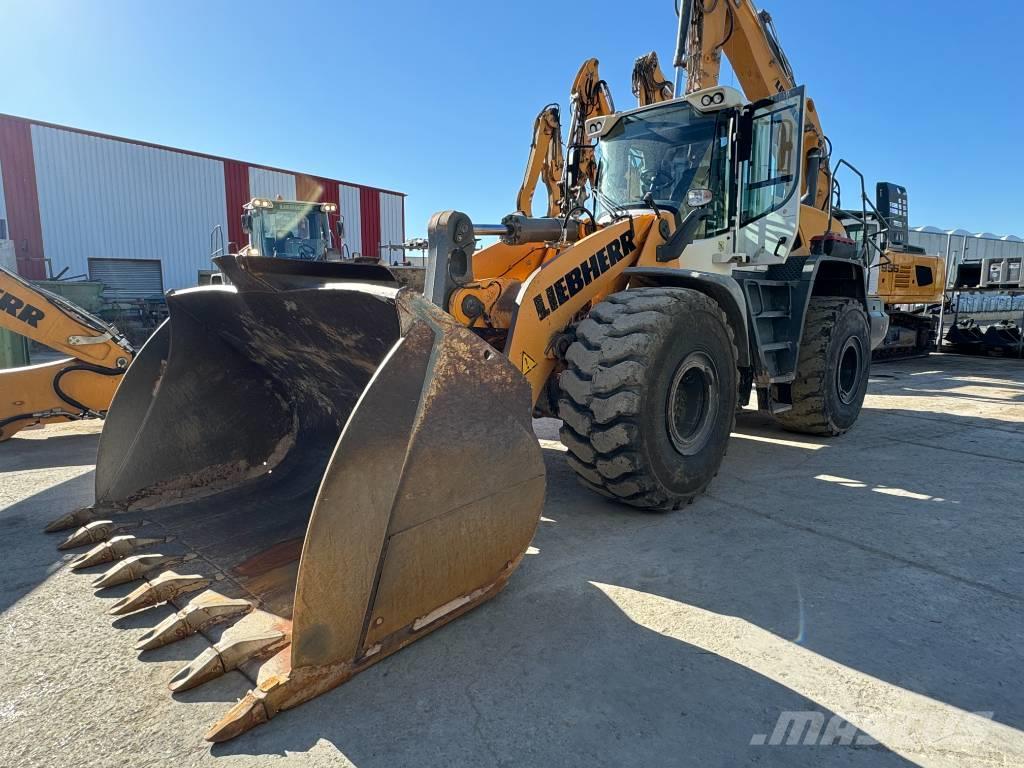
(832, 372)
(649, 396)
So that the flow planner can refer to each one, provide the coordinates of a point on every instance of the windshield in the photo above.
(664, 152)
(294, 233)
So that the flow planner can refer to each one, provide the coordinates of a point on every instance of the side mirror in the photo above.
(698, 198)
(339, 227)
(247, 222)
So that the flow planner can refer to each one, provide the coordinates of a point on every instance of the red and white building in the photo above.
(139, 216)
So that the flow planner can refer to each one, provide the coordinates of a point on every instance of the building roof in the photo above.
(222, 158)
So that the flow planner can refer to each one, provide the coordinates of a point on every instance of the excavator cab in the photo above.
(288, 229)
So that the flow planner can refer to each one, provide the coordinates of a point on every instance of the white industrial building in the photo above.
(139, 216)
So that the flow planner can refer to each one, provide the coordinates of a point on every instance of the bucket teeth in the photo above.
(90, 533)
(204, 611)
(245, 715)
(130, 569)
(228, 654)
(71, 520)
(165, 587)
(117, 548)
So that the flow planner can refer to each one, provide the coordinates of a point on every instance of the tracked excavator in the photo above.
(317, 468)
(909, 281)
(79, 386)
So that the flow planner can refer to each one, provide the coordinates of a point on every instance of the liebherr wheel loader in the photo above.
(334, 467)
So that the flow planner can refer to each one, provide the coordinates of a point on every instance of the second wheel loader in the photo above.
(332, 467)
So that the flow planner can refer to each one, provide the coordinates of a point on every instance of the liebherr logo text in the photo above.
(17, 308)
(577, 278)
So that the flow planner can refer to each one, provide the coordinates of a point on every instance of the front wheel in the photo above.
(832, 372)
(649, 396)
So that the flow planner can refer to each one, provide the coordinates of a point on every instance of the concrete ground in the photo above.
(878, 577)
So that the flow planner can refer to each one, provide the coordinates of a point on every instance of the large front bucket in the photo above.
(336, 467)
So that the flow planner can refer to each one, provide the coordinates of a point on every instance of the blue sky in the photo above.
(437, 99)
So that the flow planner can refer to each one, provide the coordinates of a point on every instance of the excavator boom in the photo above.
(749, 40)
(545, 163)
(78, 387)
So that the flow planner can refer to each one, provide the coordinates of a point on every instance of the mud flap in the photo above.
(339, 454)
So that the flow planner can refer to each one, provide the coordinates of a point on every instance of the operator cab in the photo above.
(729, 170)
(673, 154)
(288, 229)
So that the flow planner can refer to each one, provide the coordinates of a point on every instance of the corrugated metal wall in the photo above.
(369, 217)
(21, 198)
(991, 248)
(3, 205)
(69, 195)
(350, 209)
(392, 226)
(959, 246)
(270, 184)
(128, 278)
(932, 242)
(103, 198)
(316, 189)
(236, 189)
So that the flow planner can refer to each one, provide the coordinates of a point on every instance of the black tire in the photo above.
(832, 371)
(634, 351)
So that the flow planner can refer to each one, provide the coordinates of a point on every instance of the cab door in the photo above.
(770, 164)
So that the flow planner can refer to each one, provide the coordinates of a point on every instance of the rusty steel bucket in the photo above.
(316, 468)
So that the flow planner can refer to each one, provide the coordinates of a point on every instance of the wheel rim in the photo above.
(848, 370)
(693, 401)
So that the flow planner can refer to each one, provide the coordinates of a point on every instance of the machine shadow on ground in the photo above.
(31, 556)
(893, 575)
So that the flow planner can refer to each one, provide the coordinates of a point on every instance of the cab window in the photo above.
(770, 176)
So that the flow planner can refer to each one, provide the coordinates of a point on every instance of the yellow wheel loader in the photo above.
(80, 386)
(316, 467)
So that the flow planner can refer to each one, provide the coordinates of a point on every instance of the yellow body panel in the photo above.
(578, 276)
(898, 278)
(29, 391)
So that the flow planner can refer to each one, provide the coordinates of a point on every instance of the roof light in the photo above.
(329, 208)
(258, 202)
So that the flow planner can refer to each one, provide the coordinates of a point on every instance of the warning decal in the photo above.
(528, 364)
